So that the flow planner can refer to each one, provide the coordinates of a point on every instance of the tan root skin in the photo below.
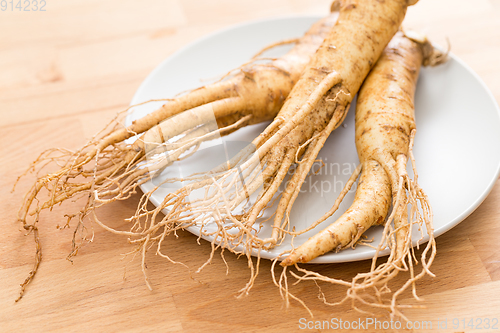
(385, 128)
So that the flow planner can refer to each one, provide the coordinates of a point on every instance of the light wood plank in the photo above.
(65, 72)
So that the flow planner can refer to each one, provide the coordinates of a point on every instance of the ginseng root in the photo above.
(109, 168)
(385, 129)
(222, 202)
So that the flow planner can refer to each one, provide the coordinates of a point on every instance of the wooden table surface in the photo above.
(66, 71)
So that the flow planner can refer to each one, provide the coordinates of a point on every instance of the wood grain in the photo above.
(65, 72)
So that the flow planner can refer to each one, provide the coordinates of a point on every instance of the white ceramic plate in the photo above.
(457, 147)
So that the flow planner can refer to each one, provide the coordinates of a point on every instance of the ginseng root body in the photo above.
(385, 130)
